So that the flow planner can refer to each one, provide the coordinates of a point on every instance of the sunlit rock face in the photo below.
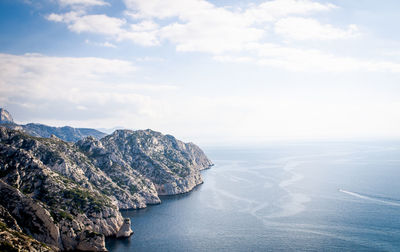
(171, 165)
(125, 230)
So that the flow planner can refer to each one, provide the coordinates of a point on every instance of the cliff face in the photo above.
(68, 195)
(173, 166)
(51, 198)
(13, 239)
(131, 189)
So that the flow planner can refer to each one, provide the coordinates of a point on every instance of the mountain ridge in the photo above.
(65, 133)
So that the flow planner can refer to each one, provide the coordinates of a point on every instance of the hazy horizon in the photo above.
(209, 72)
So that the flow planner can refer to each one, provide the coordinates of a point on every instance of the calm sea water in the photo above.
(287, 197)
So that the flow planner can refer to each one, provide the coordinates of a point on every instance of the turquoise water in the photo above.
(286, 197)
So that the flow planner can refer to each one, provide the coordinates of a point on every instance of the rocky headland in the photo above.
(57, 195)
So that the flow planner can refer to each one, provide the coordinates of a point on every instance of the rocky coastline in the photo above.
(57, 195)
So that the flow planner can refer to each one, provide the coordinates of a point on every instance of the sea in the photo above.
(308, 196)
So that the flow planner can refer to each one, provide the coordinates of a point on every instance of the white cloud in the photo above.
(229, 34)
(310, 29)
(272, 10)
(201, 26)
(100, 24)
(143, 38)
(195, 25)
(108, 44)
(144, 26)
(150, 59)
(78, 88)
(82, 2)
(167, 8)
(143, 33)
(79, 22)
(103, 44)
(188, 9)
(306, 60)
(95, 92)
(225, 35)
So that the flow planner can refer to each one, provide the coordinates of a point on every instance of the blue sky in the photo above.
(206, 71)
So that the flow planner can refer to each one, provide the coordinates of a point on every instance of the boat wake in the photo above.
(377, 199)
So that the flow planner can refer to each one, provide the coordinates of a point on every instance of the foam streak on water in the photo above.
(376, 199)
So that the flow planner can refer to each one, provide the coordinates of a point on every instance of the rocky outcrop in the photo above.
(172, 165)
(125, 230)
(5, 117)
(68, 195)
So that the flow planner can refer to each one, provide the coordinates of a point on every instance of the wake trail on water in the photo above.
(377, 199)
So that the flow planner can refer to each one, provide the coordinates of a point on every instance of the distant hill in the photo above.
(65, 133)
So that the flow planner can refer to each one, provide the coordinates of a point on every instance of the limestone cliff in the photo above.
(52, 200)
(172, 165)
(68, 195)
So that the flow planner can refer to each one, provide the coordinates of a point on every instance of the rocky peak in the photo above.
(5, 116)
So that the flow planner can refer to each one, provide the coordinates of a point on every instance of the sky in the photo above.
(210, 72)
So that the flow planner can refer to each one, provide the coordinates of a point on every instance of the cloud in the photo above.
(77, 88)
(215, 34)
(206, 28)
(161, 9)
(272, 10)
(104, 44)
(150, 59)
(197, 25)
(99, 24)
(82, 3)
(115, 28)
(192, 9)
(306, 60)
(310, 29)
(96, 92)
(247, 35)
